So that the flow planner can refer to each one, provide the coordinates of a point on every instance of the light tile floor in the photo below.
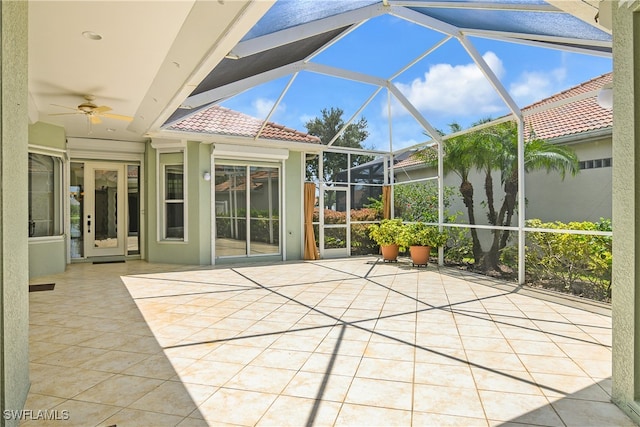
(336, 342)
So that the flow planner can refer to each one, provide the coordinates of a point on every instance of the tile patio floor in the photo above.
(337, 342)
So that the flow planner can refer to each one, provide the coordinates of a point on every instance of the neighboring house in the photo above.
(582, 125)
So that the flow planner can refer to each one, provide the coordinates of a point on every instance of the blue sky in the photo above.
(446, 86)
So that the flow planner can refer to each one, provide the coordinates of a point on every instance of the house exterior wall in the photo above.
(293, 227)
(177, 252)
(626, 187)
(14, 267)
(197, 248)
(47, 256)
(584, 197)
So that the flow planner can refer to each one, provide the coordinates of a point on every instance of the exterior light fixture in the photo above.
(605, 96)
(206, 176)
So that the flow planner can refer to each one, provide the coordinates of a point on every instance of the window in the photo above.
(174, 202)
(45, 207)
(596, 164)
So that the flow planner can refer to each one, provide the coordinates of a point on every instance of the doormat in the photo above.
(109, 262)
(42, 287)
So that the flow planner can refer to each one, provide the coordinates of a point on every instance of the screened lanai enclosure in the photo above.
(431, 103)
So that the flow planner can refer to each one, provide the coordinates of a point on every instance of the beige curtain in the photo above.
(386, 202)
(310, 250)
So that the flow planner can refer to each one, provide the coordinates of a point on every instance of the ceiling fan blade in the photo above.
(101, 109)
(64, 106)
(95, 120)
(117, 117)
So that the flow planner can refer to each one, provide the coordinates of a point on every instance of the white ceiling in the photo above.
(151, 55)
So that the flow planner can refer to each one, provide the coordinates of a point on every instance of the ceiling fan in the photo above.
(92, 111)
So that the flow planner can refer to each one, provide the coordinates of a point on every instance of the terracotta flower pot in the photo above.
(420, 255)
(390, 252)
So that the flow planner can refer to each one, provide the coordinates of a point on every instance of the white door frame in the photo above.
(90, 248)
(335, 252)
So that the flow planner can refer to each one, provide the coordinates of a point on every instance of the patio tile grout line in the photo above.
(467, 363)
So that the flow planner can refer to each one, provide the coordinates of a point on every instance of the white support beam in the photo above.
(239, 86)
(299, 32)
(275, 104)
(196, 50)
(548, 42)
(490, 75)
(521, 203)
(492, 35)
(334, 40)
(425, 21)
(344, 74)
(420, 57)
(414, 112)
(476, 5)
(353, 117)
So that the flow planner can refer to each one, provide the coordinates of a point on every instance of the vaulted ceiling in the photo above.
(158, 61)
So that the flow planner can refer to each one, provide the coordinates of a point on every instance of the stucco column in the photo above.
(626, 208)
(14, 262)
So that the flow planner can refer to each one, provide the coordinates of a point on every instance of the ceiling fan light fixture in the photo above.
(91, 35)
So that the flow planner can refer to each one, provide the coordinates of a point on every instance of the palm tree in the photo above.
(538, 155)
(460, 158)
(496, 149)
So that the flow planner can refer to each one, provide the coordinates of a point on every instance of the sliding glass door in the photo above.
(247, 210)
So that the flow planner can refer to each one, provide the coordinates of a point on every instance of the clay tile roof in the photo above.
(569, 119)
(223, 121)
(411, 161)
(572, 118)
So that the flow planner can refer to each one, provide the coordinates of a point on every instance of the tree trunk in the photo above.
(466, 189)
(488, 189)
(511, 194)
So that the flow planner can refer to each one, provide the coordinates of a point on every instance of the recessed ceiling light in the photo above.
(91, 35)
(111, 130)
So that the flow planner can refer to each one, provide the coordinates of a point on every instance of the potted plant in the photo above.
(420, 238)
(386, 234)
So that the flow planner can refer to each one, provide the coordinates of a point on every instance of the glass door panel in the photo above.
(104, 209)
(133, 214)
(335, 236)
(231, 202)
(247, 210)
(264, 229)
(76, 206)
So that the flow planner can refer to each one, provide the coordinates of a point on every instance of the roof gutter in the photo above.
(578, 138)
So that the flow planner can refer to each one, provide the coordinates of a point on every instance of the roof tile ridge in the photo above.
(564, 92)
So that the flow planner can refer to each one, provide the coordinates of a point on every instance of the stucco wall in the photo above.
(584, 197)
(197, 250)
(47, 135)
(177, 252)
(14, 296)
(626, 185)
(293, 189)
(47, 256)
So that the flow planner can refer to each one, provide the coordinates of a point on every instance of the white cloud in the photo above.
(536, 85)
(461, 89)
(305, 118)
(262, 107)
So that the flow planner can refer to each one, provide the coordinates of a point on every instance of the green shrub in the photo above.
(459, 247)
(575, 263)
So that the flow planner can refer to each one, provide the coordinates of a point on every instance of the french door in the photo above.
(104, 209)
(334, 232)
